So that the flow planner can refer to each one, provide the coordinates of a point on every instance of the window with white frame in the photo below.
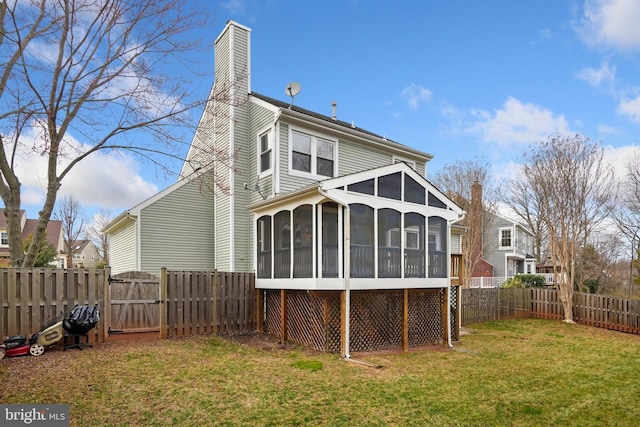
(4, 239)
(264, 149)
(312, 154)
(505, 238)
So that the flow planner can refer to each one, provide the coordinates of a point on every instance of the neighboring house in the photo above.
(509, 247)
(84, 254)
(505, 245)
(319, 205)
(28, 226)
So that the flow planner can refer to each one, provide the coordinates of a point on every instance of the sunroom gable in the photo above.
(397, 182)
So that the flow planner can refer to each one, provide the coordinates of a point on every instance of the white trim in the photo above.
(268, 131)
(275, 186)
(337, 284)
(511, 238)
(410, 163)
(314, 136)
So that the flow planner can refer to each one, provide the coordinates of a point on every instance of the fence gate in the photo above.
(134, 306)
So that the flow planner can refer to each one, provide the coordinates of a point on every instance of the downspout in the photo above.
(453, 221)
(347, 267)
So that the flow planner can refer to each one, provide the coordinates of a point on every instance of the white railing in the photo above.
(487, 282)
(496, 282)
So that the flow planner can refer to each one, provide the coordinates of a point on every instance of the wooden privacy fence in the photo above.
(131, 305)
(480, 305)
(29, 297)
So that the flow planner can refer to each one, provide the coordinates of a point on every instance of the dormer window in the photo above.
(312, 155)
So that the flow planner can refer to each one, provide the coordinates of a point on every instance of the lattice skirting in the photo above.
(376, 318)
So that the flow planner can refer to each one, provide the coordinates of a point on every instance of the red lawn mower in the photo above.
(76, 321)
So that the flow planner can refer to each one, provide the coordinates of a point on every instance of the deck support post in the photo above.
(283, 316)
(260, 310)
(405, 321)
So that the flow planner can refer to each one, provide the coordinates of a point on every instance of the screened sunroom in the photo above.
(386, 228)
(374, 244)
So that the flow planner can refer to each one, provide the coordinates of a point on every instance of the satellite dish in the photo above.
(292, 90)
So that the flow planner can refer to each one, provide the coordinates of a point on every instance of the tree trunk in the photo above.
(565, 291)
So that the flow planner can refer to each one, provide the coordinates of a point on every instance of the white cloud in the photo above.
(605, 75)
(518, 123)
(611, 23)
(619, 157)
(609, 130)
(109, 180)
(631, 108)
(415, 95)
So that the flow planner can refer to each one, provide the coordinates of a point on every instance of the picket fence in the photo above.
(194, 302)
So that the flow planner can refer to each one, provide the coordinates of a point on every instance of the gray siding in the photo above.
(176, 230)
(354, 157)
(492, 254)
(122, 250)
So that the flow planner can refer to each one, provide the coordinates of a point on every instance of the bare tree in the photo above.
(70, 214)
(99, 238)
(81, 76)
(572, 188)
(468, 184)
(521, 200)
(626, 215)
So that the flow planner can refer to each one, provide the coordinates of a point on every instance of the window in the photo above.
(282, 244)
(390, 186)
(362, 243)
(265, 152)
(329, 240)
(437, 247)
(264, 247)
(414, 256)
(4, 239)
(389, 254)
(364, 187)
(505, 238)
(312, 154)
(413, 191)
(303, 241)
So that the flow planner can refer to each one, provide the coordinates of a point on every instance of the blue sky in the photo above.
(457, 79)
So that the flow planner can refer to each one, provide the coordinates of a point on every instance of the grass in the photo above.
(508, 373)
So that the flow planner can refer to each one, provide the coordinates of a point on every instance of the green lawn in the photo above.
(511, 373)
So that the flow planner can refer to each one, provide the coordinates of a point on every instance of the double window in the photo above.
(312, 154)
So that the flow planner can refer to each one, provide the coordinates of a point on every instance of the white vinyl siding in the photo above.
(456, 245)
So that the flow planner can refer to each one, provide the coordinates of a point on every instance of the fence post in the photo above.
(164, 307)
(107, 303)
(214, 283)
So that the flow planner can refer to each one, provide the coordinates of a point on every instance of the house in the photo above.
(332, 218)
(504, 247)
(28, 226)
(84, 254)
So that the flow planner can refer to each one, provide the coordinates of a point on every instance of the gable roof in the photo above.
(54, 230)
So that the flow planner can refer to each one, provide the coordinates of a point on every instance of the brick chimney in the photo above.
(476, 220)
